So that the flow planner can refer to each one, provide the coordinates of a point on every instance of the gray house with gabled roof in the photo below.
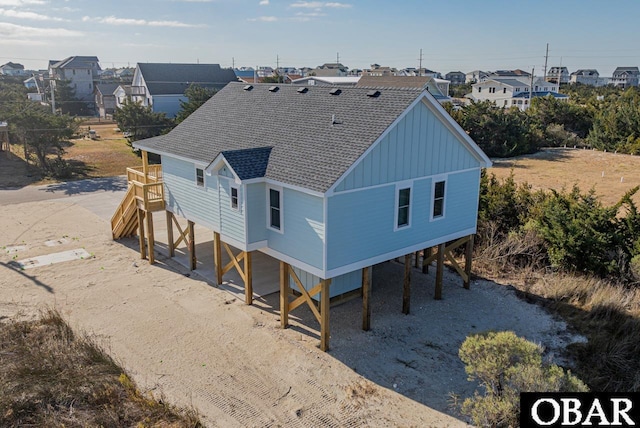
(162, 86)
(327, 181)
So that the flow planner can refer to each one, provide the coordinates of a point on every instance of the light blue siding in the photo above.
(256, 212)
(231, 219)
(185, 198)
(339, 285)
(419, 145)
(303, 227)
(361, 223)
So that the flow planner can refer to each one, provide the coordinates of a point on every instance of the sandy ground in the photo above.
(199, 345)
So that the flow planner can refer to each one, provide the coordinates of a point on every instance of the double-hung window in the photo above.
(438, 199)
(403, 207)
(200, 177)
(234, 198)
(275, 209)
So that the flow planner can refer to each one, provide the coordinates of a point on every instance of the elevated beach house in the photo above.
(326, 180)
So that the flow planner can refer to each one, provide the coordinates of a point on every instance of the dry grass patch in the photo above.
(51, 377)
(558, 168)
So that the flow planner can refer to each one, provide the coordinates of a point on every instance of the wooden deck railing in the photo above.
(154, 174)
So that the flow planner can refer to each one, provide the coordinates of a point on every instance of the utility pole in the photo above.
(546, 57)
(53, 96)
(233, 63)
(531, 86)
(277, 62)
(337, 57)
(420, 64)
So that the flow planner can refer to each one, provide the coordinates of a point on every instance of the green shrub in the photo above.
(506, 365)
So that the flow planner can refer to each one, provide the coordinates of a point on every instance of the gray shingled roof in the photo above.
(308, 150)
(164, 79)
(107, 88)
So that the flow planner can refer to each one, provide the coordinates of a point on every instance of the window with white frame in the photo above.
(403, 215)
(438, 199)
(200, 177)
(275, 209)
(234, 198)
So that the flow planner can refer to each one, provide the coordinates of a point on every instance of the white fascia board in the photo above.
(402, 115)
(397, 253)
(457, 130)
(433, 105)
(169, 155)
(218, 163)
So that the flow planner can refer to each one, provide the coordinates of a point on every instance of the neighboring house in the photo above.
(587, 77)
(327, 80)
(475, 76)
(420, 72)
(32, 83)
(327, 181)
(12, 69)
(625, 77)
(330, 70)
(517, 73)
(511, 92)
(124, 74)
(437, 87)
(121, 94)
(379, 71)
(80, 71)
(105, 98)
(558, 74)
(456, 77)
(162, 86)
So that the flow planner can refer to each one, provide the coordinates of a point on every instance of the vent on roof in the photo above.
(273, 88)
(373, 94)
(248, 87)
(303, 90)
(335, 91)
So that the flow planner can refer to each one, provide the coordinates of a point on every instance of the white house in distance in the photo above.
(80, 71)
(12, 69)
(319, 182)
(588, 76)
(513, 92)
(162, 86)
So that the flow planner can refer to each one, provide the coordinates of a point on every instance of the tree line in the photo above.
(604, 118)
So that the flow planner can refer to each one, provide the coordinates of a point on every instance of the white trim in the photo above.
(234, 242)
(170, 155)
(325, 213)
(237, 207)
(434, 180)
(293, 262)
(457, 131)
(204, 181)
(430, 102)
(245, 212)
(270, 181)
(407, 184)
(402, 115)
(268, 206)
(397, 253)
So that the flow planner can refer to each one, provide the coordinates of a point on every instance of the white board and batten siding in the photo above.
(420, 150)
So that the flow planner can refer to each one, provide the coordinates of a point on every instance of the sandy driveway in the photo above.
(200, 345)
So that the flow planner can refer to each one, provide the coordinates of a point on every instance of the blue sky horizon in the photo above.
(454, 36)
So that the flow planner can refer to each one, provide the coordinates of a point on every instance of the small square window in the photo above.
(234, 198)
(200, 177)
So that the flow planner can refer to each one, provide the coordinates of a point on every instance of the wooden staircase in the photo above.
(145, 192)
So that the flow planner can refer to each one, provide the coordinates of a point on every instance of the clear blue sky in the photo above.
(454, 35)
